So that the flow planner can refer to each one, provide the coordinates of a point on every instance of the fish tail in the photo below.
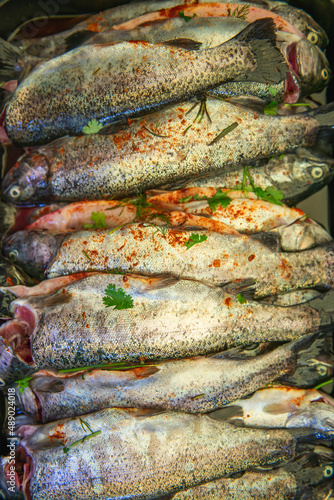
(325, 134)
(9, 58)
(271, 66)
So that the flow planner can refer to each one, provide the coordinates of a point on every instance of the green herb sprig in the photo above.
(98, 221)
(186, 18)
(194, 239)
(92, 127)
(117, 298)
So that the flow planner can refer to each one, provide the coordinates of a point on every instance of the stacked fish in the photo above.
(175, 315)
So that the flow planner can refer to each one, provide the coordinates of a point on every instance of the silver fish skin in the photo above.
(121, 462)
(218, 259)
(54, 45)
(283, 483)
(306, 173)
(155, 75)
(133, 160)
(73, 328)
(316, 416)
(197, 385)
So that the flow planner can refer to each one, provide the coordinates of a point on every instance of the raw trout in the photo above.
(157, 318)
(118, 460)
(299, 479)
(196, 385)
(100, 166)
(305, 174)
(184, 253)
(92, 83)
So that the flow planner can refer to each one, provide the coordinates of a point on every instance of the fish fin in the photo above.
(78, 38)
(183, 43)
(228, 412)
(244, 286)
(270, 63)
(279, 408)
(53, 386)
(156, 282)
(9, 57)
(145, 371)
(269, 239)
(324, 304)
(325, 134)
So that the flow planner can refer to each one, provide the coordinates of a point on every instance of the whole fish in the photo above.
(309, 68)
(250, 218)
(118, 460)
(243, 261)
(306, 173)
(293, 481)
(235, 208)
(196, 385)
(92, 83)
(283, 407)
(130, 161)
(157, 318)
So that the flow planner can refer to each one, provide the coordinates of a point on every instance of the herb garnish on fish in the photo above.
(241, 299)
(218, 199)
(224, 132)
(23, 383)
(98, 219)
(117, 298)
(92, 127)
(186, 18)
(239, 12)
(79, 441)
(194, 239)
(270, 194)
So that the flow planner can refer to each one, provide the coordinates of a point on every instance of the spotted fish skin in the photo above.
(136, 455)
(157, 150)
(196, 385)
(73, 328)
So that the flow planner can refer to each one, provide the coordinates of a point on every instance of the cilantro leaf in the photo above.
(186, 18)
(194, 239)
(117, 298)
(241, 299)
(270, 194)
(197, 197)
(98, 219)
(92, 127)
(185, 199)
(219, 199)
(271, 108)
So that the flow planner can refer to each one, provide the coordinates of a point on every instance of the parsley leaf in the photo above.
(98, 219)
(271, 108)
(219, 199)
(186, 18)
(272, 90)
(241, 299)
(185, 199)
(92, 127)
(117, 298)
(194, 239)
(23, 383)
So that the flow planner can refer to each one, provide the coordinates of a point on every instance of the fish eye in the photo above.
(13, 255)
(324, 74)
(317, 172)
(328, 471)
(312, 37)
(322, 370)
(15, 192)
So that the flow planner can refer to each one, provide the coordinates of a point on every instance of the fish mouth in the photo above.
(292, 90)
(24, 470)
(18, 332)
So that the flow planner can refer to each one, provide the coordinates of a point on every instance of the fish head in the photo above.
(311, 478)
(301, 175)
(318, 415)
(31, 250)
(303, 235)
(27, 180)
(304, 22)
(309, 63)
